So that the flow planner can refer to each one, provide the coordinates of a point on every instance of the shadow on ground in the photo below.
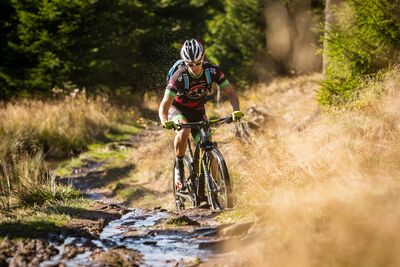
(131, 195)
(98, 179)
(82, 222)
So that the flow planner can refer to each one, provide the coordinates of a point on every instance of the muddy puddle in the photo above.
(147, 232)
(138, 230)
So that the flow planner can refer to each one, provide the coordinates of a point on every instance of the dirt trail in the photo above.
(111, 234)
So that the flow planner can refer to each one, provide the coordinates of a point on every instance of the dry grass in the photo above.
(25, 180)
(59, 128)
(63, 126)
(327, 195)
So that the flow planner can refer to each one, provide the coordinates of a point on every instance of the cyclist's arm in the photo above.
(165, 104)
(233, 98)
(225, 86)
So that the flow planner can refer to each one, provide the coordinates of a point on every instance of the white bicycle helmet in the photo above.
(192, 50)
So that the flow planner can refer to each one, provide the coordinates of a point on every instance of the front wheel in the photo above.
(219, 184)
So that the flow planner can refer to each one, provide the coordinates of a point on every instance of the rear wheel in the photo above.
(180, 201)
(219, 188)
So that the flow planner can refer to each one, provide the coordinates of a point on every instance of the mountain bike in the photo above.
(205, 172)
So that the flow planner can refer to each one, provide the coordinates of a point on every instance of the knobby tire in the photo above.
(223, 198)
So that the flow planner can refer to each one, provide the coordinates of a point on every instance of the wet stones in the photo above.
(84, 228)
(117, 257)
(71, 251)
(26, 253)
(206, 231)
(160, 209)
(150, 243)
(182, 220)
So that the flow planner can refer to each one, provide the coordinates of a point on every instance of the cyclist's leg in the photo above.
(198, 115)
(180, 141)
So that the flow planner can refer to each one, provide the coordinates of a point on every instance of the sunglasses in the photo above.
(191, 65)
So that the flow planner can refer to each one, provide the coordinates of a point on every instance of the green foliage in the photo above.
(122, 43)
(236, 38)
(364, 39)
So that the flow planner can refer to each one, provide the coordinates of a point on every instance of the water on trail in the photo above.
(158, 247)
(142, 230)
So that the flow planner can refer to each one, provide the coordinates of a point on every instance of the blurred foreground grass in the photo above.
(324, 185)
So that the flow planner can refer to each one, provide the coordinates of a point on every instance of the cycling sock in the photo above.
(179, 164)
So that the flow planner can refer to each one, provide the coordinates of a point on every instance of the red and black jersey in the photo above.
(196, 95)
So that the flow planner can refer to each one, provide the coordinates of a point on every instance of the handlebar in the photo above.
(203, 124)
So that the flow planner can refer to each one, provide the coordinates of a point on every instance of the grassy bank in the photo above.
(34, 130)
(39, 221)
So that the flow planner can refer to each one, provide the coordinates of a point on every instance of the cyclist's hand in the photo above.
(170, 125)
(236, 115)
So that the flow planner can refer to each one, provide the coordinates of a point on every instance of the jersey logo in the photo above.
(197, 91)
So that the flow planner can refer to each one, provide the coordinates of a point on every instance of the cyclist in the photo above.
(185, 96)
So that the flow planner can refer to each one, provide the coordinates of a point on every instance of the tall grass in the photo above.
(59, 127)
(328, 195)
(62, 127)
(25, 180)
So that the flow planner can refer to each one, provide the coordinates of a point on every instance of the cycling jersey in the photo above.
(196, 95)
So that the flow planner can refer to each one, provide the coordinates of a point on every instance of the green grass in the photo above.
(236, 215)
(128, 192)
(40, 220)
(33, 226)
(101, 152)
(38, 194)
(122, 132)
(132, 193)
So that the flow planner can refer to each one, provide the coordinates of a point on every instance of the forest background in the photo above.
(127, 45)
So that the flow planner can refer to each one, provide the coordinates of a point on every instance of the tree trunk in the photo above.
(330, 7)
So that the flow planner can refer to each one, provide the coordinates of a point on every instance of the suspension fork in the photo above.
(207, 176)
(198, 155)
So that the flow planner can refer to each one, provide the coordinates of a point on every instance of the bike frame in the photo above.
(199, 158)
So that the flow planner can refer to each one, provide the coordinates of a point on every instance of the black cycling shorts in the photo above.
(179, 114)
